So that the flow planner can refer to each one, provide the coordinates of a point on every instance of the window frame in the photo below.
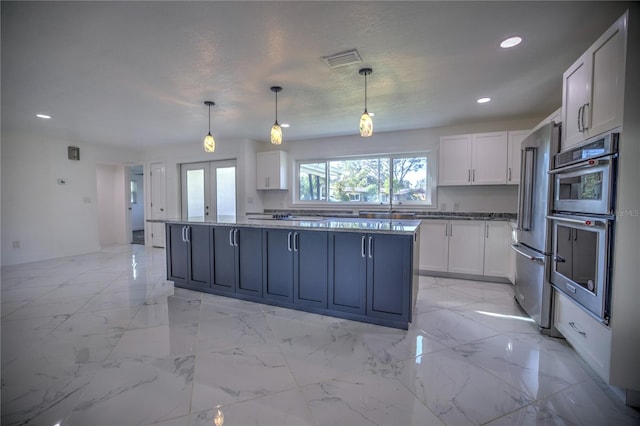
(431, 181)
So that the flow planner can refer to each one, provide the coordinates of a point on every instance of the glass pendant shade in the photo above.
(276, 130)
(209, 143)
(366, 125)
(276, 134)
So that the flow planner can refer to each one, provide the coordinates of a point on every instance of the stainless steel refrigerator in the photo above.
(533, 241)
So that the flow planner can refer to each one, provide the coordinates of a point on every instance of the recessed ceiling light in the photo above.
(510, 42)
(483, 100)
(45, 116)
(285, 125)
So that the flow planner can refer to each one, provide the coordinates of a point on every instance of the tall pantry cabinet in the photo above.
(600, 94)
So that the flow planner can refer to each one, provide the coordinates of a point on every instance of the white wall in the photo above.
(472, 199)
(110, 201)
(46, 219)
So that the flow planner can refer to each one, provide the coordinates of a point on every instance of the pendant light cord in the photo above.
(365, 92)
(276, 107)
(209, 118)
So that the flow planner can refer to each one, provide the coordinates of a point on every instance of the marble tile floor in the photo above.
(104, 339)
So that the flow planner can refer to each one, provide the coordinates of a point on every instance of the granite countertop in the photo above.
(418, 214)
(317, 223)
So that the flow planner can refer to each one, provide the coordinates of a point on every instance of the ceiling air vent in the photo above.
(341, 59)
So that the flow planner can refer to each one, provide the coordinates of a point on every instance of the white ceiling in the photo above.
(137, 73)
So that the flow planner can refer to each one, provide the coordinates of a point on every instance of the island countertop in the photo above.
(317, 223)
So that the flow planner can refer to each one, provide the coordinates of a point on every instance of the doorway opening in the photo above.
(136, 204)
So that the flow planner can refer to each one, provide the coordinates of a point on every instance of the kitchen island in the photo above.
(358, 269)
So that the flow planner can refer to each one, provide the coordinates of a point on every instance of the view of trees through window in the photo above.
(365, 180)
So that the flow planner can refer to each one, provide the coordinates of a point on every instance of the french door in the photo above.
(209, 191)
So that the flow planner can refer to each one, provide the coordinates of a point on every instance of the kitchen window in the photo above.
(366, 180)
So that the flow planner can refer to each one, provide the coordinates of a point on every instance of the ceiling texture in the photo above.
(137, 74)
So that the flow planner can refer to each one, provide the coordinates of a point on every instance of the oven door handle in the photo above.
(517, 249)
(604, 161)
(594, 222)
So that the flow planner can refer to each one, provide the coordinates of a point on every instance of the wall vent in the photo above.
(341, 59)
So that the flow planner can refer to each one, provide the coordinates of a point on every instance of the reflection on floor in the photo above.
(103, 339)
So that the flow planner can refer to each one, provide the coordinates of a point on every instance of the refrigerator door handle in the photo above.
(526, 191)
(517, 249)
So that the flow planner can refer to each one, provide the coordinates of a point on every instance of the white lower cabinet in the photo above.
(470, 247)
(590, 338)
(434, 245)
(497, 250)
(466, 247)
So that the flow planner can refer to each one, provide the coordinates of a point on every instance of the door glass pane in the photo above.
(409, 179)
(195, 194)
(226, 194)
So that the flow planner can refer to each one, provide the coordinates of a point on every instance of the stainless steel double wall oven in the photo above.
(583, 217)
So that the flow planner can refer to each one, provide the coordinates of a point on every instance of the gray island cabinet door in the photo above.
(199, 244)
(224, 263)
(189, 255)
(310, 268)
(389, 275)
(348, 272)
(278, 285)
(176, 254)
(249, 258)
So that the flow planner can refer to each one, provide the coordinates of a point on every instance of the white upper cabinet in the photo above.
(478, 159)
(593, 88)
(271, 170)
(488, 158)
(454, 166)
(513, 155)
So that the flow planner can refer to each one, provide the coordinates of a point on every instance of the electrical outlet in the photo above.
(62, 181)
(456, 207)
(16, 244)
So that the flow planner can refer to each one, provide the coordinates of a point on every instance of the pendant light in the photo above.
(276, 130)
(366, 124)
(209, 142)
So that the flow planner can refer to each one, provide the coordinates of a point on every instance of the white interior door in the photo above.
(158, 202)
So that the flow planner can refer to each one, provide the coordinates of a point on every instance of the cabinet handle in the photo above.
(486, 230)
(584, 108)
(509, 174)
(187, 233)
(573, 325)
(362, 247)
(580, 129)
(289, 241)
(235, 237)
(370, 247)
(474, 175)
(469, 175)
(295, 241)
(231, 237)
(184, 239)
(451, 229)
